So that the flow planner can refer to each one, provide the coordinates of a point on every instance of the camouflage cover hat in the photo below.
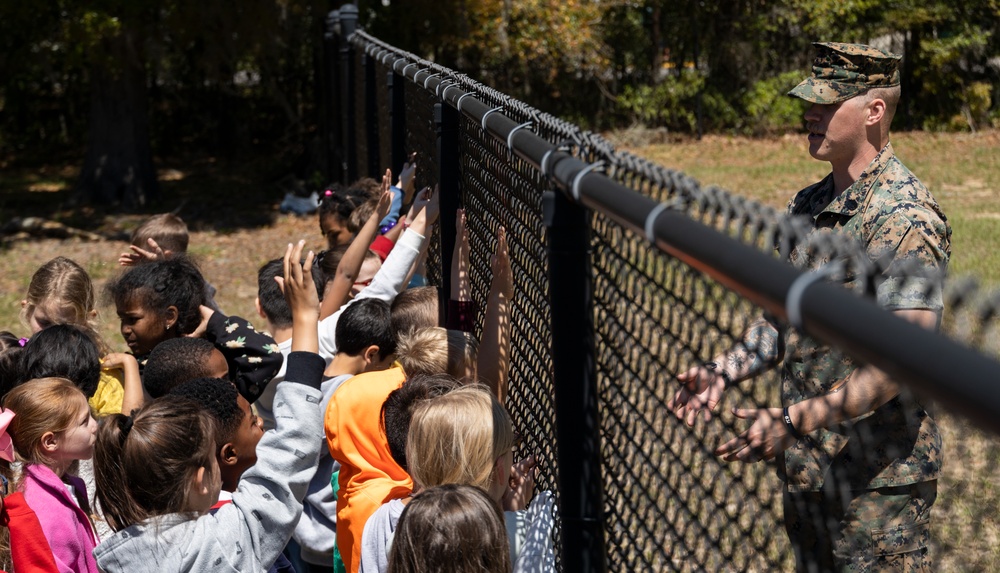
(842, 71)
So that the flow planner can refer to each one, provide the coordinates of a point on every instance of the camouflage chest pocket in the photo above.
(885, 240)
(902, 549)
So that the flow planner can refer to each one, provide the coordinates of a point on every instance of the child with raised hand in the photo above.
(453, 528)
(51, 429)
(238, 430)
(395, 272)
(158, 237)
(341, 277)
(161, 237)
(61, 292)
(158, 475)
(343, 210)
(164, 299)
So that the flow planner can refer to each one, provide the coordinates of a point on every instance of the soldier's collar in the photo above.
(853, 198)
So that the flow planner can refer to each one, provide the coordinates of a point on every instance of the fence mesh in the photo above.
(671, 504)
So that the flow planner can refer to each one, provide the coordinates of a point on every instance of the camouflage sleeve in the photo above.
(911, 244)
(760, 348)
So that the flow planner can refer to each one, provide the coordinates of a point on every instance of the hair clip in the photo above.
(127, 424)
(6, 444)
(23, 341)
(328, 193)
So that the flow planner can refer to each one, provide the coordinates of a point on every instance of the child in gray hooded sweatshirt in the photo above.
(157, 473)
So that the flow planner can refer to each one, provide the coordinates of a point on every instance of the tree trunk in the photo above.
(118, 169)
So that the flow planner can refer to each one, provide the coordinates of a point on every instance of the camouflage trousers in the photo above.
(880, 530)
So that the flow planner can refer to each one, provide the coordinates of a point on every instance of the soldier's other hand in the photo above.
(701, 392)
(766, 437)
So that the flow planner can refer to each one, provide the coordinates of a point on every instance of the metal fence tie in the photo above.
(677, 203)
(429, 77)
(579, 176)
(443, 85)
(793, 300)
(417, 73)
(544, 164)
(403, 72)
(444, 92)
(510, 136)
(487, 114)
(458, 103)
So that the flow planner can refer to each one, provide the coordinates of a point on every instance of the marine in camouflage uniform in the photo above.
(858, 493)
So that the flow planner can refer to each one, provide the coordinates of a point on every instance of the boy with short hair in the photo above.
(165, 231)
(229, 348)
(365, 342)
(238, 430)
(162, 236)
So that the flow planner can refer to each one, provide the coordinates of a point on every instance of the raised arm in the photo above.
(338, 289)
(407, 178)
(269, 495)
(493, 361)
(461, 313)
(138, 254)
(300, 292)
(461, 289)
(423, 214)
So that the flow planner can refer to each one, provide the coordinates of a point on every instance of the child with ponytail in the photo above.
(158, 475)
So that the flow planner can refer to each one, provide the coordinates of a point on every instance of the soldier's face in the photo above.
(836, 131)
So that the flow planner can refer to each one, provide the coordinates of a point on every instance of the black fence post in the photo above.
(397, 122)
(331, 99)
(348, 23)
(575, 380)
(374, 165)
(446, 125)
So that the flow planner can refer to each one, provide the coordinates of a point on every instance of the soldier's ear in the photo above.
(875, 111)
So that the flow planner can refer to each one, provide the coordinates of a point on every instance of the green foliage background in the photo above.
(230, 77)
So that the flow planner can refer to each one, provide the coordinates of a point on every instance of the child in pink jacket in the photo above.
(51, 428)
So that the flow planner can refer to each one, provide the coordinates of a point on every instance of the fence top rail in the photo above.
(588, 168)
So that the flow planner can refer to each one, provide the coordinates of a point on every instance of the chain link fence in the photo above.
(666, 501)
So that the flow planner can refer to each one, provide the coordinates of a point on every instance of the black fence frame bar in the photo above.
(374, 162)
(573, 356)
(958, 377)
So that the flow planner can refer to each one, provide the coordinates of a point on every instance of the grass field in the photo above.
(236, 227)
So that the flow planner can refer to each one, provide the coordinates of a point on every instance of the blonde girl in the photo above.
(61, 292)
(466, 437)
(51, 429)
